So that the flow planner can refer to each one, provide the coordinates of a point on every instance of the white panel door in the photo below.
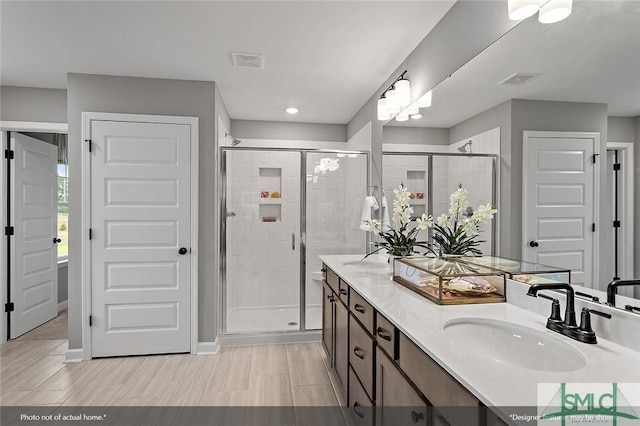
(140, 219)
(34, 277)
(558, 204)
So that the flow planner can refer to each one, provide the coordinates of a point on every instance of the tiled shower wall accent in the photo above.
(334, 209)
(262, 270)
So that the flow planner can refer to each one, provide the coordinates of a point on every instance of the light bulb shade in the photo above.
(412, 109)
(416, 116)
(425, 100)
(403, 92)
(522, 9)
(402, 116)
(392, 101)
(383, 114)
(554, 11)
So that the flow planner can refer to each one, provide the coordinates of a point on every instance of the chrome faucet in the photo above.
(568, 326)
(612, 289)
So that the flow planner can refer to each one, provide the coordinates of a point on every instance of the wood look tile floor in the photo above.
(32, 373)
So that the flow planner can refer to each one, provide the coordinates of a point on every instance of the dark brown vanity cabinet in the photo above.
(399, 403)
(335, 330)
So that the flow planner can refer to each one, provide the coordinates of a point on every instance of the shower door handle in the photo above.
(293, 241)
(231, 214)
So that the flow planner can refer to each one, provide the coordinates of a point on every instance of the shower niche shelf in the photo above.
(417, 183)
(270, 181)
(270, 213)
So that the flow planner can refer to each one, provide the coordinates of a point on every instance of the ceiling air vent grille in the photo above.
(519, 78)
(247, 60)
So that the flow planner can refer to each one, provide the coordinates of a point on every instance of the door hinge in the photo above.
(90, 320)
(88, 141)
(616, 224)
(8, 230)
(595, 158)
(593, 227)
(90, 233)
(616, 167)
(9, 154)
(9, 307)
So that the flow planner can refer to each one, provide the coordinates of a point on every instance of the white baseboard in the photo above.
(208, 348)
(63, 305)
(73, 355)
(270, 338)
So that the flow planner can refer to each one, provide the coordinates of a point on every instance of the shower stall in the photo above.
(280, 210)
(432, 177)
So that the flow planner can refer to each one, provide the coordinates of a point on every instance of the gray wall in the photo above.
(33, 104)
(280, 130)
(63, 280)
(636, 190)
(467, 29)
(415, 135)
(132, 95)
(621, 129)
(498, 116)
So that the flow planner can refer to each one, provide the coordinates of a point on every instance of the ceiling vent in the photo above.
(247, 60)
(519, 78)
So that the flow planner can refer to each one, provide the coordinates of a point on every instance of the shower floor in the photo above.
(266, 319)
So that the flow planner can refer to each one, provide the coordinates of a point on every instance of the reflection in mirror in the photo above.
(579, 75)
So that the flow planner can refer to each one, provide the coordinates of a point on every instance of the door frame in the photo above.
(15, 126)
(85, 219)
(626, 212)
(595, 208)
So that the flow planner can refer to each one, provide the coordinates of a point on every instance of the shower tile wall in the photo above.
(334, 208)
(262, 270)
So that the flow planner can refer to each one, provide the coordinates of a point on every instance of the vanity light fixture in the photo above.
(292, 110)
(403, 116)
(394, 98)
(554, 10)
(550, 11)
(416, 116)
(425, 100)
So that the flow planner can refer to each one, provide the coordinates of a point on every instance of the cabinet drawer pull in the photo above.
(416, 416)
(358, 352)
(358, 307)
(356, 406)
(386, 336)
(343, 291)
(331, 298)
(323, 270)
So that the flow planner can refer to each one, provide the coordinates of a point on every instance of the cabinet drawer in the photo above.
(344, 292)
(332, 279)
(438, 386)
(387, 336)
(360, 406)
(361, 355)
(362, 310)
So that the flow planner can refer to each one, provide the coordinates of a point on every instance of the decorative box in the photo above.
(520, 270)
(448, 281)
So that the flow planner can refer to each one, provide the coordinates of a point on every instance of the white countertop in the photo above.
(495, 384)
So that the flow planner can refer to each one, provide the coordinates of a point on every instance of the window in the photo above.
(63, 211)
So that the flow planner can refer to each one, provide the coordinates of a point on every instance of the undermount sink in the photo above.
(515, 344)
(372, 262)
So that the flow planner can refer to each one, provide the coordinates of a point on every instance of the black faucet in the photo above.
(568, 326)
(569, 311)
(612, 289)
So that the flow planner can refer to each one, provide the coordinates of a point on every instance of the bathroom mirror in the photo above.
(572, 76)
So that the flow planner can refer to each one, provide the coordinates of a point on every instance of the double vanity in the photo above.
(468, 364)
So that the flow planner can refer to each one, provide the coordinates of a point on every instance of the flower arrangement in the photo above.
(400, 239)
(455, 233)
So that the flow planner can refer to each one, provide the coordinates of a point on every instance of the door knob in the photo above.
(533, 244)
(56, 240)
(182, 251)
(231, 214)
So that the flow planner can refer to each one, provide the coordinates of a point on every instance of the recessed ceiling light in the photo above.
(292, 110)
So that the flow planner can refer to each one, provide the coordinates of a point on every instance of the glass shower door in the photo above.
(262, 256)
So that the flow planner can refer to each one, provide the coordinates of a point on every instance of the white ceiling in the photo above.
(325, 57)
(592, 56)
